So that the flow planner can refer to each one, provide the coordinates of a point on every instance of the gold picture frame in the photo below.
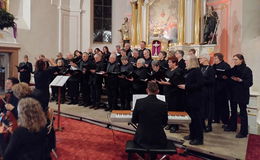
(181, 16)
(4, 4)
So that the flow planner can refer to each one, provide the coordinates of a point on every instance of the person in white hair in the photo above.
(207, 91)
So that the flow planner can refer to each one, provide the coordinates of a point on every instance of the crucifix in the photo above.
(156, 45)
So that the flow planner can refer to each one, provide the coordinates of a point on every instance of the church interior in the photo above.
(129, 79)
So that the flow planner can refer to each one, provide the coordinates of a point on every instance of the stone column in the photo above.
(134, 24)
(139, 20)
(189, 21)
(197, 18)
(181, 22)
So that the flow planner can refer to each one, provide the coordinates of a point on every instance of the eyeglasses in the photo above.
(235, 59)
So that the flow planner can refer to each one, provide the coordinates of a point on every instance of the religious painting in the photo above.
(4, 4)
(163, 20)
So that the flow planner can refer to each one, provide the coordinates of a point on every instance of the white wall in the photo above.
(42, 35)
(120, 9)
(251, 38)
(51, 26)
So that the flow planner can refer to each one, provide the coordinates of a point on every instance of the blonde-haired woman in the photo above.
(193, 88)
(29, 139)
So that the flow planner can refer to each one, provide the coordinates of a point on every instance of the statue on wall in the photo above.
(211, 24)
(3, 4)
(125, 31)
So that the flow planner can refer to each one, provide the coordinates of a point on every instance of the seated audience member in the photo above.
(241, 81)
(28, 141)
(23, 90)
(151, 116)
(9, 98)
(193, 88)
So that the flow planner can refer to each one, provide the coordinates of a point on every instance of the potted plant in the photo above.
(7, 20)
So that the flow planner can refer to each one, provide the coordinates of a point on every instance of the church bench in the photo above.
(132, 148)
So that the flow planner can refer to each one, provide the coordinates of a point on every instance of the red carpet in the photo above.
(85, 141)
(253, 147)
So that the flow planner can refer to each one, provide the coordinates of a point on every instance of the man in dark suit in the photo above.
(151, 115)
(181, 62)
(25, 69)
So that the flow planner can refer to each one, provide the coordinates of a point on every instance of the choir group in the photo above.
(189, 83)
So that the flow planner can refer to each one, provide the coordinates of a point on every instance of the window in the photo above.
(103, 21)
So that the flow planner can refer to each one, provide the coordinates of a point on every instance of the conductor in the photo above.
(151, 115)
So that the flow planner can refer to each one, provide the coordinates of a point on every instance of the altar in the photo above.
(170, 25)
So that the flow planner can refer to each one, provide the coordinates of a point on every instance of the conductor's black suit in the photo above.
(151, 115)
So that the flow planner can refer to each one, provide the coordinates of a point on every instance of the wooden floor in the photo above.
(217, 143)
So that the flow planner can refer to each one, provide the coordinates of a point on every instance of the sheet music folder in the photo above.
(59, 81)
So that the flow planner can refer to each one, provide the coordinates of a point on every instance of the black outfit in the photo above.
(163, 64)
(106, 57)
(151, 116)
(159, 75)
(173, 94)
(148, 62)
(141, 52)
(182, 64)
(42, 80)
(13, 101)
(125, 86)
(208, 95)
(129, 53)
(62, 70)
(4, 139)
(193, 88)
(73, 84)
(26, 145)
(140, 76)
(51, 137)
(221, 92)
(240, 96)
(25, 76)
(85, 88)
(133, 60)
(95, 83)
(112, 84)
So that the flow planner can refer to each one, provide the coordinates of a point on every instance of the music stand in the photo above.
(59, 82)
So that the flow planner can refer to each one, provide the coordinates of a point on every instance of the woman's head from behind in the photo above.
(40, 65)
(191, 62)
(31, 115)
(21, 90)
